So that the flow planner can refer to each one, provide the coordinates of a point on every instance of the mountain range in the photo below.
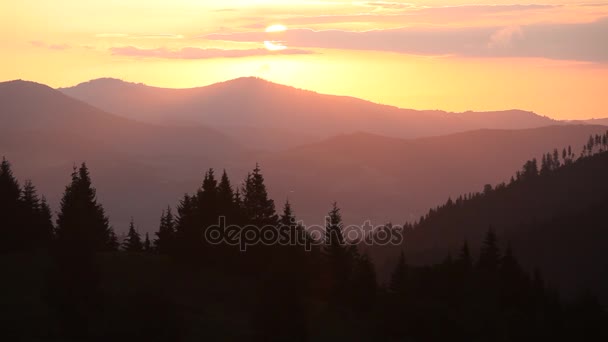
(269, 116)
(146, 150)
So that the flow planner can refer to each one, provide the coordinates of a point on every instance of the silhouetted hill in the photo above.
(45, 132)
(284, 116)
(556, 221)
(603, 121)
(140, 168)
(380, 178)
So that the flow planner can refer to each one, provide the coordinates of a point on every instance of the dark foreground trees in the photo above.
(25, 218)
(184, 287)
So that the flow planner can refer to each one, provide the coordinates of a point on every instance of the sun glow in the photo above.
(274, 45)
(276, 28)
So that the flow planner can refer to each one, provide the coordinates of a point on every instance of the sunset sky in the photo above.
(550, 57)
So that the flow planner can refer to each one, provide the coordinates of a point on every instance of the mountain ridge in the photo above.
(253, 104)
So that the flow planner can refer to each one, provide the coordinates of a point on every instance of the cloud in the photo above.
(504, 37)
(406, 14)
(578, 41)
(136, 36)
(111, 35)
(43, 45)
(388, 5)
(198, 53)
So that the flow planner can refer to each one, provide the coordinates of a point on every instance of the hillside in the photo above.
(556, 221)
(285, 116)
(381, 179)
(45, 133)
(141, 168)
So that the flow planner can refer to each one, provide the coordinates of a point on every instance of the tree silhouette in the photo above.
(465, 260)
(207, 201)
(489, 258)
(82, 223)
(258, 208)
(9, 209)
(165, 237)
(133, 241)
(147, 244)
(36, 221)
(226, 201)
(337, 256)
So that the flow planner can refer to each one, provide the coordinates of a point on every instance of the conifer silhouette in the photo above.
(133, 241)
(81, 222)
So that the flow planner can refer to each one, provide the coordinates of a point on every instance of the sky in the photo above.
(547, 56)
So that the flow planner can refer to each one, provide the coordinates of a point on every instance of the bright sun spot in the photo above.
(274, 45)
(276, 28)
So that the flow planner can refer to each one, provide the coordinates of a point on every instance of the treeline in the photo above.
(271, 291)
(486, 298)
(25, 218)
(530, 170)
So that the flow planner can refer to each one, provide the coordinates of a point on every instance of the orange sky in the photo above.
(550, 57)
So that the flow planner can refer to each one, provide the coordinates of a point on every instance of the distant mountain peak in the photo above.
(105, 82)
(24, 84)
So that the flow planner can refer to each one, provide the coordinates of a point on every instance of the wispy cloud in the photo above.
(43, 45)
(580, 41)
(406, 14)
(198, 53)
(137, 36)
(504, 37)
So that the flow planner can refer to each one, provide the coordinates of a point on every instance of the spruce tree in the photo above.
(46, 218)
(226, 199)
(133, 241)
(337, 255)
(259, 210)
(165, 236)
(147, 244)
(36, 219)
(287, 222)
(188, 231)
(489, 258)
(82, 223)
(10, 192)
(465, 260)
(207, 201)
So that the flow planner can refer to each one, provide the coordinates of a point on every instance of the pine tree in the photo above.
(337, 255)
(188, 231)
(36, 220)
(590, 144)
(297, 234)
(82, 224)
(465, 260)
(259, 210)
(512, 274)
(133, 241)
(113, 243)
(207, 200)
(46, 217)
(226, 197)
(489, 258)
(334, 246)
(10, 192)
(556, 163)
(147, 244)
(165, 237)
